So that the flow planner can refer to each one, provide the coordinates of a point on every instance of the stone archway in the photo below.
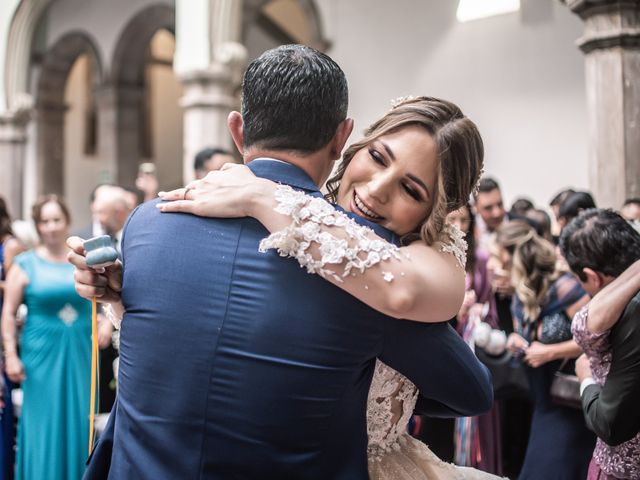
(128, 83)
(50, 106)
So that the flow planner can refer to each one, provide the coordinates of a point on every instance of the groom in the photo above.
(237, 364)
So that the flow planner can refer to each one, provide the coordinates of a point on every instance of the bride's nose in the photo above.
(379, 186)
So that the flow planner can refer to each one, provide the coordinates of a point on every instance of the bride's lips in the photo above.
(361, 208)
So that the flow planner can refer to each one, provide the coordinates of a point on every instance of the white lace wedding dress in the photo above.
(393, 453)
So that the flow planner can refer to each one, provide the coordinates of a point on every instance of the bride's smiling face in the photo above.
(392, 180)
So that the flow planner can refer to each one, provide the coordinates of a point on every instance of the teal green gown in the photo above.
(53, 429)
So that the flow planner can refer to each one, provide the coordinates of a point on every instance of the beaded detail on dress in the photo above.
(621, 461)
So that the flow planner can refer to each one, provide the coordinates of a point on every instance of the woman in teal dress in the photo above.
(54, 364)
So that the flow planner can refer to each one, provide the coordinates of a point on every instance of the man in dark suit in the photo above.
(603, 250)
(237, 364)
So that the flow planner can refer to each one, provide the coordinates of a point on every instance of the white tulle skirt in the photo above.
(412, 460)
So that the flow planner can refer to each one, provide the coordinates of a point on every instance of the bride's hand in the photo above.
(230, 192)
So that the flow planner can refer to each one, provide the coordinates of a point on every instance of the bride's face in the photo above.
(392, 180)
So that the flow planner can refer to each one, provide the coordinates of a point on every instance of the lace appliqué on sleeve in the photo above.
(111, 315)
(453, 242)
(309, 214)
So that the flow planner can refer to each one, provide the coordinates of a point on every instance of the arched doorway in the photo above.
(148, 125)
(51, 107)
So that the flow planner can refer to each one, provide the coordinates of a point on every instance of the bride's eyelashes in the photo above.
(380, 160)
(377, 157)
(413, 193)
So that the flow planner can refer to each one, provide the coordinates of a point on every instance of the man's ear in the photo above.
(236, 127)
(594, 279)
(340, 138)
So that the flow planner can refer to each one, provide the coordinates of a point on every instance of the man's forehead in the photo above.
(486, 198)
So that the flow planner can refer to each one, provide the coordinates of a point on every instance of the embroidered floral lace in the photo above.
(392, 398)
(357, 250)
(393, 454)
(622, 461)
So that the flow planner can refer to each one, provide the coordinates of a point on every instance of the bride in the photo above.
(415, 165)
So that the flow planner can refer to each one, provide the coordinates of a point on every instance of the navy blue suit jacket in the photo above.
(236, 364)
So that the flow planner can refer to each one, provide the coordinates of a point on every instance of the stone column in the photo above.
(12, 147)
(611, 44)
(50, 148)
(211, 76)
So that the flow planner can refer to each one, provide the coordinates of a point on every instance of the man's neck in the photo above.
(316, 164)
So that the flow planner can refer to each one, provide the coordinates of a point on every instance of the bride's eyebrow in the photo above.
(388, 149)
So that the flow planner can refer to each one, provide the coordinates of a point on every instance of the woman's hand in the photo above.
(583, 367)
(14, 368)
(516, 344)
(538, 354)
(231, 192)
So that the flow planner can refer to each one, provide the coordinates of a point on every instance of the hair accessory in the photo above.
(396, 102)
(476, 189)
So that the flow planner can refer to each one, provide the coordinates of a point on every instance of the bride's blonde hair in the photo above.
(535, 265)
(460, 153)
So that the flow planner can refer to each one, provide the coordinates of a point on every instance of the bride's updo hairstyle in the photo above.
(459, 148)
(534, 264)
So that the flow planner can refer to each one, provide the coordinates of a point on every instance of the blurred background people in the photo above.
(477, 439)
(146, 183)
(631, 209)
(603, 250)
(520, 207)
(544, 301)
(542, 223)
(557, 200)
(210, 159)
(572, 205)
(490, 211)
(95, 228)
(55, 350)
(111, 209)
(10, 246)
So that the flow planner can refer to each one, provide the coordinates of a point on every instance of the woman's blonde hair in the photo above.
(460, 153)
(535, 265)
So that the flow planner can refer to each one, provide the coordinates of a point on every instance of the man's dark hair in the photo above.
(293, 98)
(205, 155)
(560, 197)
(487, 184)
(632, 201)
(600, 240)
(520, 207)
(574, 203)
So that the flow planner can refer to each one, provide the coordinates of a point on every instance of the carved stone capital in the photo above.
(608, 23)
(12, 128)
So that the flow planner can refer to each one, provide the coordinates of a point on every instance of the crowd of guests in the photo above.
(47, 350)
(527, 276)
(531, 282)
